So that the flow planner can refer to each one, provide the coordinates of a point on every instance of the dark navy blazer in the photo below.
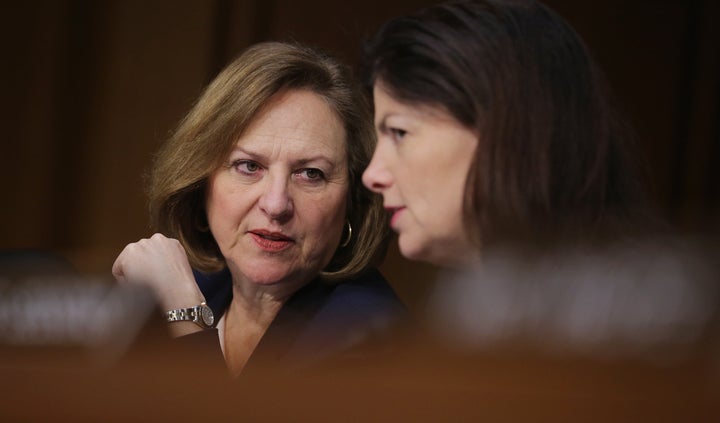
(321, 321)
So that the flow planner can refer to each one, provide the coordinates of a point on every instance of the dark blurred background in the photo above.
(92, 88)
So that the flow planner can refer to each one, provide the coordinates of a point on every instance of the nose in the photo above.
(377, 177)
(275, 201)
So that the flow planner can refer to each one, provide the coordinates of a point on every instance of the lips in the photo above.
(271, 241)
(395, 213)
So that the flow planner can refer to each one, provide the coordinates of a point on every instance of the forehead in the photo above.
(386, 103)
(299, 119)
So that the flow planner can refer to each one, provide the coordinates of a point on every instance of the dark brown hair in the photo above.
(552, 158)
(204, 139)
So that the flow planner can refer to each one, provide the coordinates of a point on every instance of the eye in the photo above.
(397, 134)
(312, 174)
(246, 166)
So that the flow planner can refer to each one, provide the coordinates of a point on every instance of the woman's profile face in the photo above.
(419, 166)
(277, 206)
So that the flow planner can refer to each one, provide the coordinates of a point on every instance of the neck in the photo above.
(245, 323)
(250, 314)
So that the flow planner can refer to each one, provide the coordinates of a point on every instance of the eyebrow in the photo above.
(300, 162)
(305, 162)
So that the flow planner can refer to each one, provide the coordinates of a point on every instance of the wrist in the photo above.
(178, 300)
(200, 316)
(178, 329)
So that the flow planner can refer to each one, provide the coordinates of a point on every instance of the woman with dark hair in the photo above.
(494, 127)
(501, 157)
(258, 196)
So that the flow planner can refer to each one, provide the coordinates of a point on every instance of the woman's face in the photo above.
(277, 206)
(419, 166)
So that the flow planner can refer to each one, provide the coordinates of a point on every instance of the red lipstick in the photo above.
(270, 241)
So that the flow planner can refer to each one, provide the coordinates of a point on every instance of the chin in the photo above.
(414, 251)
(266, 279)
(262, 273)
(423, 252)
(269, 276)
(266, 274)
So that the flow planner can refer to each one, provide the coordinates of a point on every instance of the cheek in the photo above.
(325, 216)
(434, 197)
(225, 207)
(418, 187)
(421, 170)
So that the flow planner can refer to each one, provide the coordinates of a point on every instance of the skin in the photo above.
(276, 209)
(420, 166)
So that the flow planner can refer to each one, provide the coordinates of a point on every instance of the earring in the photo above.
(202, 224)
(349, 236)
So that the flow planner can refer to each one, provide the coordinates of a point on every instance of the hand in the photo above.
(161, 264)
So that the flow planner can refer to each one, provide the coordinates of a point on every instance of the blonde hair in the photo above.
(205, 137)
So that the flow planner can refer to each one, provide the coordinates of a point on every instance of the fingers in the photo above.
(137, 257)
(117, 267)
(161, 264)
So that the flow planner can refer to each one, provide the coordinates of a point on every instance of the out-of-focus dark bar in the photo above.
(604, 335)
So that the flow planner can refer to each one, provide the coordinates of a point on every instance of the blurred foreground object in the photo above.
(99, 319)
(585, 337)
(654, 300)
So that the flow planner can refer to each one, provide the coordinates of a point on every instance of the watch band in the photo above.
(201, 315)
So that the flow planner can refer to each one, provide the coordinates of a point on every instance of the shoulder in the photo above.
(352, 314)
(366, 295)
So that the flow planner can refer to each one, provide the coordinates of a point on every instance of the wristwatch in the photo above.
(201, 315)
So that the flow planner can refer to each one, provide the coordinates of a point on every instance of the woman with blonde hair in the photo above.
(265, 231)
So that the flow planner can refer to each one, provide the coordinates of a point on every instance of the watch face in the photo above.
(207, 316)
